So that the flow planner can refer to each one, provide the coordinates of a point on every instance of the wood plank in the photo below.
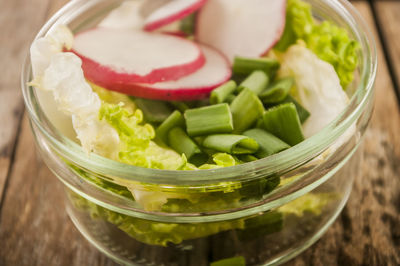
(32, 231)
(387, 13)
(17, 27)
(11, 108)
(367, 231)
(35, 228)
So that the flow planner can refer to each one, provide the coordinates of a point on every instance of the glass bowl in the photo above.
(264, 212)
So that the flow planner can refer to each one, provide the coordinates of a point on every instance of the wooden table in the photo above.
(35, 230)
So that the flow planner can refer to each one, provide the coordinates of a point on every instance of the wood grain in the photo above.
(35, 230)
(19, 20)
(387, 13)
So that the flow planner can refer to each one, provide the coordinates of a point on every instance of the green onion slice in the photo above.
(235, 261)
(283, 122)
(245, 66)
(247, 158)
(181, 106)
(153, 111)
(269, 144)
(277, 91)
(256, 82)
(246, 109)
(183, 144)
(303, 113)
(232, 144)
(220, 94)
(230, 98)
(174, 120)
(209, 120)
(188, 24)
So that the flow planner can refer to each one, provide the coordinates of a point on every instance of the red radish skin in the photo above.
(173, 11)
(247, 28)
(176, 33)
(154, 57)
(198, 85)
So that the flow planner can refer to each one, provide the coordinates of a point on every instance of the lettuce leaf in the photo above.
(136, 145)
(328, 41)
(310, 202)
(152, 232)
(163, 234)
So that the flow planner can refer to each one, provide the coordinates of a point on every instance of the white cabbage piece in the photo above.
(68, 94)
(317, 87)
(74, 96)
(43, 49)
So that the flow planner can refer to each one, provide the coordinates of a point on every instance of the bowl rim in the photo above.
(283, 161)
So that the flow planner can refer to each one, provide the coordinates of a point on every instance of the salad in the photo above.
(194, 85)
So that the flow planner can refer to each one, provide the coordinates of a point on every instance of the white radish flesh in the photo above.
(170, 12)
(128, 56)
(196, 86)
(247, 28)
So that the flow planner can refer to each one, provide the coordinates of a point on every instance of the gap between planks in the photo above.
(385, 46)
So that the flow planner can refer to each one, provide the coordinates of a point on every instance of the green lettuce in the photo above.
(328, 41)
(163, 234)
(138, 148)
(152, 232)
(136, 139)
(235, 261)
(102, 183)
(310, 202)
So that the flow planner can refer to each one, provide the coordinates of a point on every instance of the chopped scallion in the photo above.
(247, 158)
(277, 91)
(283, 122)
(236, 261)
(183, 144)
(256, 82)
(181, 106)
(174, 120)
(199, 140)
(256, 188)
(304, 114)
(188, 24)
(245, 66)
(209, 120)
(269, 144)
(153, 111)
(230, 98)
(232, 144)
(220, 94)
(260, 123)
(246, 109)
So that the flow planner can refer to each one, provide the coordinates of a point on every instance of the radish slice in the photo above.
(113, 56)
(173, 11)
(241, 27)
(196, 86)
(176, 33)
